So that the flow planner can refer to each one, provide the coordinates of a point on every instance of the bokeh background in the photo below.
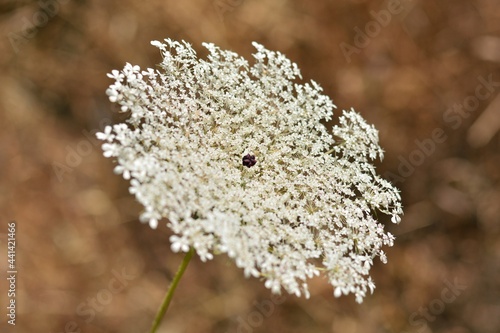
(426, 73)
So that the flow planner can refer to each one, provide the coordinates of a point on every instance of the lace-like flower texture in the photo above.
(236, 160)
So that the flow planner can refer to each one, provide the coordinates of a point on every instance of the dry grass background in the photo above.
(77, 230)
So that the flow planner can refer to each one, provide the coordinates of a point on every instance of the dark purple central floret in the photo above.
(249, 160)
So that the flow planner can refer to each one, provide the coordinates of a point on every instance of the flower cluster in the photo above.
(235, 158)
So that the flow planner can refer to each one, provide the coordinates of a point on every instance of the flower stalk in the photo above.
(170, 293)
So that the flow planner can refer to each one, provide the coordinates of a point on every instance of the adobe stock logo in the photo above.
(75, 154)
(429, 313)
(87, 310)
(225, 6)
(381, 19)
(255, 318)
(48, 9)
(453, 117)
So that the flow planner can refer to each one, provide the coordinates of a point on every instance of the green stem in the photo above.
(170, 293)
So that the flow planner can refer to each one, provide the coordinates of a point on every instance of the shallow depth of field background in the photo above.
(77, 228)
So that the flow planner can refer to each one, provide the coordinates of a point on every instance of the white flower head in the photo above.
(237, 160)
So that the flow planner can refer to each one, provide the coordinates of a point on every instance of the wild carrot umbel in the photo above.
(235, 159)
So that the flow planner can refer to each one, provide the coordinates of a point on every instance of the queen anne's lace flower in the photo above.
(236, 159)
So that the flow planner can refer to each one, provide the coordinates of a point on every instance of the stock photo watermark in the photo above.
(11, 273)
(435, 307)
(75, 154)
(380, 19)
(453, 117)
(88, 309)
(418, 319)
(262, 310)
(30, 25)
(222, 7)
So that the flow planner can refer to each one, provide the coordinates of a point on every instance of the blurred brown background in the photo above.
(426, 74)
